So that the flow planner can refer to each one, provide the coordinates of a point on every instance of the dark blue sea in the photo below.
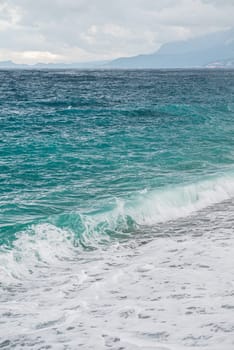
(117, 209)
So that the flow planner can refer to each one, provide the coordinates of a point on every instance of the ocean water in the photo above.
(116, 210)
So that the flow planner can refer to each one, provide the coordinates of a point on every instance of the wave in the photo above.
(64, 238)
(180, 201)
(148, 208)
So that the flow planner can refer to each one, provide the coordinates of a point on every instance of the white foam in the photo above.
(162, 295)
(47, 245)
(180, 201)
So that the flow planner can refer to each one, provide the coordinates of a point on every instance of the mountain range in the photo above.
(214, 50)
(83, 65)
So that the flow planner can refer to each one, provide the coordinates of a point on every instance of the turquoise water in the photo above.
(76, 144)
(96, 161)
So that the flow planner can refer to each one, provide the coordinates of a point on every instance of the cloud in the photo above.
(78, 30)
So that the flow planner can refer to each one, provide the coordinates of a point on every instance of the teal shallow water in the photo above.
(116, 210)
(76, 143)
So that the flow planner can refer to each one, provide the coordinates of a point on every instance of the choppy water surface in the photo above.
(116, 220)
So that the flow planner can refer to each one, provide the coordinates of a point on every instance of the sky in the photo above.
(86, 30)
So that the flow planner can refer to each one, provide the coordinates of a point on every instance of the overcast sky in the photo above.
(84, 30)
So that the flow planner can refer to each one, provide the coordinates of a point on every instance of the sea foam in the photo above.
(49, 244)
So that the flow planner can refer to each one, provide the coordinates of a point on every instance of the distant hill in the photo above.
(214, 50)
(203, 51)
(10, 64)
(88, 65)
(228, 63)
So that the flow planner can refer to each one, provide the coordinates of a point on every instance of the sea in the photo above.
(117, 209)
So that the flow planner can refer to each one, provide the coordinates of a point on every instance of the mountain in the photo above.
(214, 50)
(83, 65)
(11, 65)
(228, 63)
(203, 51)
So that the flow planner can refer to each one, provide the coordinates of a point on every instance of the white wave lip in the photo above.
(180, 201)
(47, 245)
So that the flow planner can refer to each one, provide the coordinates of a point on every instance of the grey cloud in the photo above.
(81, 29)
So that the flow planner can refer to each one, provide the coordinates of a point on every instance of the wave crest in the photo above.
(66, 236)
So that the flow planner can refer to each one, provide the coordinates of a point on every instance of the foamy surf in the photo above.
(132, 295)
(116, 220)
(45, 244)
(180, 201)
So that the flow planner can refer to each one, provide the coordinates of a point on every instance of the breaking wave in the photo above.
(65, 237)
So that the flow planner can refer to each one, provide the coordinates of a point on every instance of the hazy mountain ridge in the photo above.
(12, 65)
(214, 50)
(198, 52)
(228, 63)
